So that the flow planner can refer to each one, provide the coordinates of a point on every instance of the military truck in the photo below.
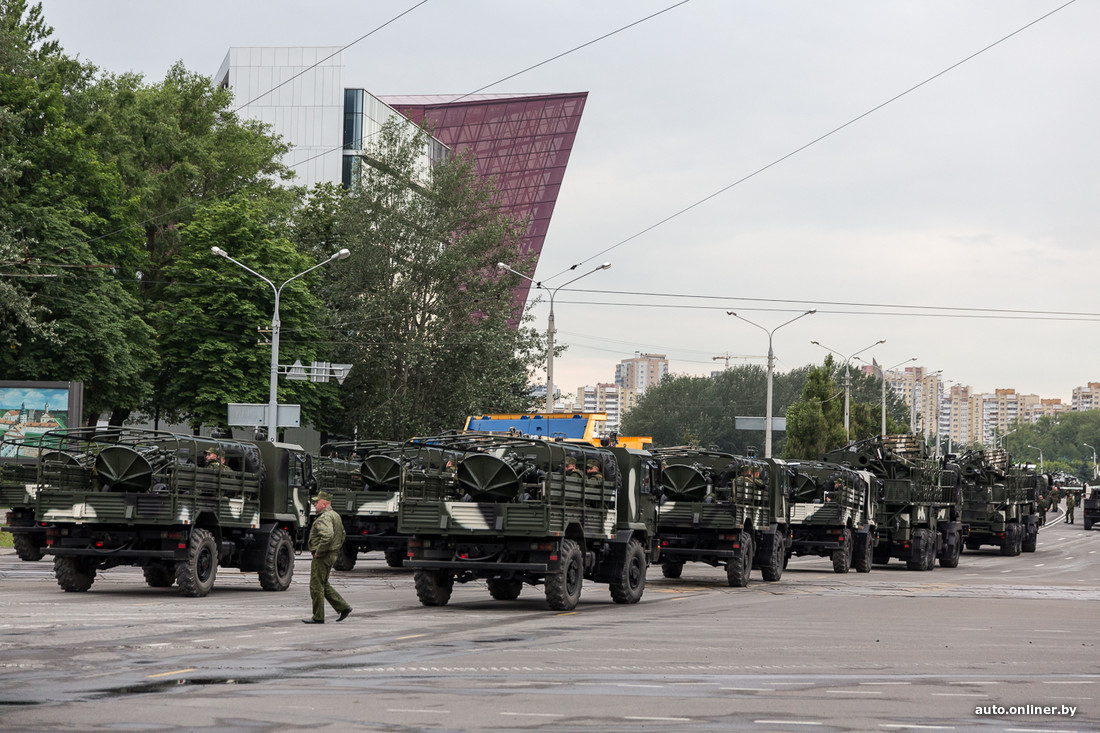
(18, 484)
(1000, 502)
(721, 509)
(833, 514)
(1090, 507)
(177, 506)
(919, 510)
(515, 511)
(364, 478)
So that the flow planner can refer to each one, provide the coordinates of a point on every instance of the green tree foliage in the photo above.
(701, 410)
(212, 313)
(1062, 439)
(815, 424)
(421, 310)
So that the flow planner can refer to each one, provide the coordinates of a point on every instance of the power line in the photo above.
(815, 141)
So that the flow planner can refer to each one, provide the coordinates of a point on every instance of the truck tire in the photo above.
(195, 574)
(505, 589)
(739, 567)
(949, 558)
(862, 559)
(1031, 540)
(73, 574)
(30, 550)
(674, 569)
(1009, 543)
(433, 587)
(278, 569)
(346, 557)
(563, 586)
(396, 558)
(159, 574)
(927, 558)
(631, 583)
(881, 554)
(1088, 526)
(842, 556)
(772, 570)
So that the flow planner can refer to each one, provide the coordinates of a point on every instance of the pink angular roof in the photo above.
(523, 141)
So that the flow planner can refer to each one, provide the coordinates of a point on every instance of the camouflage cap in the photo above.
(593, 463)
(323, 496)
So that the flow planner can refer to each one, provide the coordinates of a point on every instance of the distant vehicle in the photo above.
(177, 506)
(720, 509)
(833, 514)
(1000, 502)
(1090, 508)
(514, 511)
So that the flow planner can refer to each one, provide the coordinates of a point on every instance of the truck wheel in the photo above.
(1088, 526)
(739, 567)
(346, 557)
(882, 553)
(396, 558)
(1008, 544)
(563, 586)
(73, 574)
(159, 574)
(862, 560)
(842, 556)
(950, 556)
(278, 566)
(1031, 541)
(195, 574)
(672, 569)
(433, 587)
(631, 583)
(28, 549)
(505, 589)
(920, 537)
(1019, 546)
(772, 570)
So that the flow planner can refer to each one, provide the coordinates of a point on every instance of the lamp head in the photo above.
(811, 312)
(730, 313)
(341, 255)
(605, 265)
(501, 266)
(219, 251)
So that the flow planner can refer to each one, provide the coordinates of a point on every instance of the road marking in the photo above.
(1069, 558)
(1040, 565)
(787, 722)
(410, 636)
(748, 689)
(958, 694)
(169, 674)
(889, 683)
(855, 692)
(417, 710)
(1068, 682)
(535, 715)
(1038, 730)
(1053, 631)
(160, 643)
(569, 613)
(199, 641)
(918, 727)
(666, 720)
(629, 684)
(1006, 571)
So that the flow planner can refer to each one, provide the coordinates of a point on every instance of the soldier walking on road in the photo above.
(1070, 503)
(326, 537)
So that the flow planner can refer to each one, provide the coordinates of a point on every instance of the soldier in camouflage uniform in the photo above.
(326, 537)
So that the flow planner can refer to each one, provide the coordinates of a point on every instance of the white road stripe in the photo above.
(787, 722)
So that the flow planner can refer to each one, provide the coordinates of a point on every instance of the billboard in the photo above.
(28, 409)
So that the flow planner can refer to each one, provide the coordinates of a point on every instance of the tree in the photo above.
(419, 308)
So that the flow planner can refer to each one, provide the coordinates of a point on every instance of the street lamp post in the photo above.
(847, 378)
(1094, 474)
(884, 371)
(771, 365)
(273, 389)
(1040, 456)
(550, 324)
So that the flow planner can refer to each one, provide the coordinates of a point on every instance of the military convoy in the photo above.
(919, 508)
(364, 478)
(721, 509)
(833, 514)
(515, 511)
(1000, 502)
(177, 506)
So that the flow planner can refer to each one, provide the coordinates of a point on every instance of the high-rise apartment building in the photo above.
(606, 397)
(1086, 398)
(641, 372)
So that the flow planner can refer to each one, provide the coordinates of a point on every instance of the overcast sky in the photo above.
(978, 190)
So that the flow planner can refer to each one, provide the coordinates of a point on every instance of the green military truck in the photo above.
(833, 514)
(515, 511)
(364, 478)
(1000, 502)
(721, 509)
(919, 510)
(177, 506)
(18, 485)
(1090, 506)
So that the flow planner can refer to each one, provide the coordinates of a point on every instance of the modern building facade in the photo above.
(523, 142)
(1086, 398)
(641, 372)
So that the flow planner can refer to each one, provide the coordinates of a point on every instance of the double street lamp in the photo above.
(771, 365)
(273, 389)
(550, 324)
(1040, 457)
(847, 378)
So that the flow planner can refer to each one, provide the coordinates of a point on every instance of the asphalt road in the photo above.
(890, 650)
